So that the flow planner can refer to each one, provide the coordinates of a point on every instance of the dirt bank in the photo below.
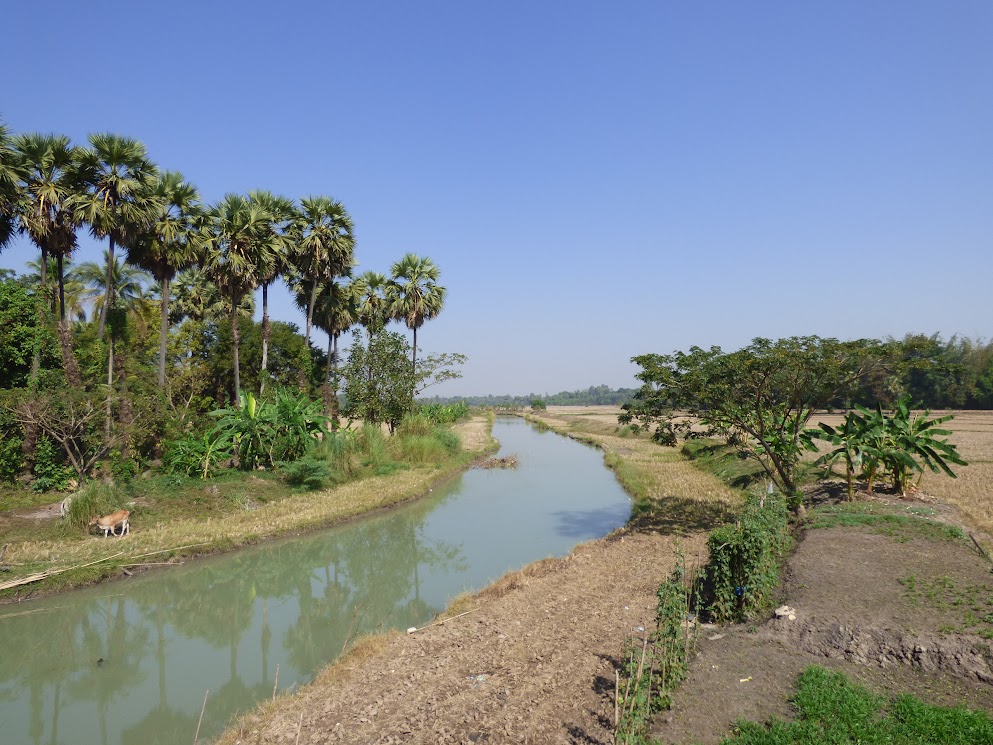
(534, 664)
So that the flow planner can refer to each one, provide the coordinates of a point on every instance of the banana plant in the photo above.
(914, 443)
(198, 455)
(251, 428)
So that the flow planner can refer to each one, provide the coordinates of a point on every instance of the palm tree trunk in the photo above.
(36, 357)
(108, 298)
(110, 385)
(310, 313)
(65, 338)
(235, 338)
(163, 331)
(413, 359)
(266, 331)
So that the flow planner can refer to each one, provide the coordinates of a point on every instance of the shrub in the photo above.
(310, 472)
(95, 498)
(51, 474)
(744, 560)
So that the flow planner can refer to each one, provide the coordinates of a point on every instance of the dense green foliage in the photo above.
(745, 557)
(115, 372)
(760, 398)
(832, 709)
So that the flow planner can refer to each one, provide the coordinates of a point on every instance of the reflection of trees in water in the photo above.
(371, 572)
(349, 580)
(116, 647)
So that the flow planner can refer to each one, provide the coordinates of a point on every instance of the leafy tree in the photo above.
(760, 397)
(379, 384)
(538, 404)
(20, 336)
(414, 294)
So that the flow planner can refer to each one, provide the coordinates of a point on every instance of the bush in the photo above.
(51, 474)
(310, 472)
(744, 560)
(442, 414)
(94, 499)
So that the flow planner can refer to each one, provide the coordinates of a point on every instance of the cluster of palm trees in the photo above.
(51, 189)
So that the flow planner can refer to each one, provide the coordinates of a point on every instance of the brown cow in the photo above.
(110, 523)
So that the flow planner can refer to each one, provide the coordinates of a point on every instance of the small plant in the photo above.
(654, 667)
(198, 455)
(309, 472)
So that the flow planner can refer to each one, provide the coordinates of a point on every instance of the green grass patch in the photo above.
(901, 525)
(833, 709)
(724, 461)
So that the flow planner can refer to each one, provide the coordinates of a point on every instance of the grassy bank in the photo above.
(190, 517)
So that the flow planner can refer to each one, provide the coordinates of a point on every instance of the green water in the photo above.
(129, 662)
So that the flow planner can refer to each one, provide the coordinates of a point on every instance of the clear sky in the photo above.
(595, 180)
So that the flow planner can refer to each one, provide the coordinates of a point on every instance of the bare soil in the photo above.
(535, 661)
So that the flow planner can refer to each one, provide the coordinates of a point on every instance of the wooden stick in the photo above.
(275, 682)
(202, 708)
(438, 623)
(299, 727)
(155, 564)
(166, 550)
(617, 693)
(52, 572)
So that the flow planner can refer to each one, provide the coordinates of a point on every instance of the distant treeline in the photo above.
(932, 372)
(599, 395)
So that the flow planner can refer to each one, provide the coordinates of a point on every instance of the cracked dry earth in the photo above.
(534, 664)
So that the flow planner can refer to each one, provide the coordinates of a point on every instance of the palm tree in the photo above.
(72, 296)
(325, 246)
(281, 214)
(235, 254)
(370, 289)
(415, 296)
(127, 283)
(51, 184)
(198, 297)
(166, 248)
(121, 203)
(10, 192)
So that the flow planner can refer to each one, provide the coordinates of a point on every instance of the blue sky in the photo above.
(595, 180)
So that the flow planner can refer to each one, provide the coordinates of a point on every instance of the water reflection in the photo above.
(129, 662)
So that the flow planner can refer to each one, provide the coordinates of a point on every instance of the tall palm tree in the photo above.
(373, 308)
(167, 247)
(335, 311)
(120, 203)
(276, 234)
(325, 240)
(415, 295)
(234, 254)
(10, 191)
(51, 185)
(72, 296)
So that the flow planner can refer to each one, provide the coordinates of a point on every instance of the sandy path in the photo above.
(535, 663)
